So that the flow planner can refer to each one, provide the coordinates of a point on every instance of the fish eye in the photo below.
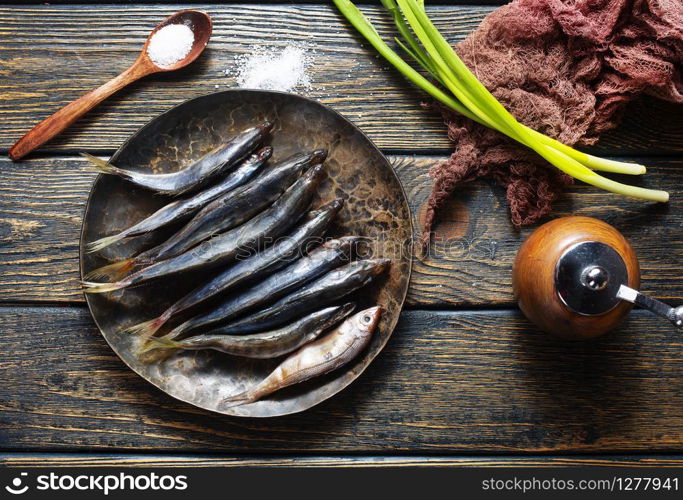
(367, 318)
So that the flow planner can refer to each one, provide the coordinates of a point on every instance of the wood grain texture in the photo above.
(70, 55)
(469, 263)
(448, 382)
(466, 382)
(55, 460)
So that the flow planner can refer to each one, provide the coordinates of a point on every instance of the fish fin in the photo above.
(153, 343)
(176, 332)
(113, 271)
(147, 328)
(91, 287)
(105, 167)
(242, 398)
(97, 245)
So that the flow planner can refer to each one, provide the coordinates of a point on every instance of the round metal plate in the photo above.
(376, 207)
(597, 296)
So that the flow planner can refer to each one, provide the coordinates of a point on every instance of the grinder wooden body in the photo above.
(534, 277)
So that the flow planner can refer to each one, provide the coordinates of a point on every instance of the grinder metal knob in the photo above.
(588, 276)
(595, 278)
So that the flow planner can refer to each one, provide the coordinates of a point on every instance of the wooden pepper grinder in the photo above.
(576, 278)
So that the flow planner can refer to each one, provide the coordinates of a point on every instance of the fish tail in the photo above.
(91, 287)
(112, 271)
(269, 385)
(242, 398)
(159, 343)
(146, 328)
(105, 167)
(97, 245)
(177, 331)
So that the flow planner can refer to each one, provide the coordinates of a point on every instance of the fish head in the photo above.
(343, 311)
(314, 174)
(335, 314)
(347, 309)
(333, 206)
(327, 210)
(366, 321)
(264, 153)
(266, 127)
(318, 156)
(364, 271)
(298, 162)
(345, 245)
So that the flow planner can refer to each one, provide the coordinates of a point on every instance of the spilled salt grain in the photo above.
(170, 44)
(275, 69)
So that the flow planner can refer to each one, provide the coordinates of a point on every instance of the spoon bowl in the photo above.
(201, 26)
(198, 22)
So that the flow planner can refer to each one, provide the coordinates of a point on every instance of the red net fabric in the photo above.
(565, 68)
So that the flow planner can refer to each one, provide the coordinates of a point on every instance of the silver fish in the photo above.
(321, 260)
(328, 353)
(183, 208)
(273, 223)
(219, 160)
(262, 345)
(327, 289)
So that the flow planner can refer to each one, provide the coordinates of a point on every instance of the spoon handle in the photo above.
(59, 121)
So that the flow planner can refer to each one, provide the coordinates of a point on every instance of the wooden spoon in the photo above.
(198, 22)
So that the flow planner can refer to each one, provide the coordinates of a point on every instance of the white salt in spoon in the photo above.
(200, 25)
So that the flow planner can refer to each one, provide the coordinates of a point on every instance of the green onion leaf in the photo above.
(469, 97)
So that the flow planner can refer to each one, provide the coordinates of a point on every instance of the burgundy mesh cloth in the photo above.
(565, 68)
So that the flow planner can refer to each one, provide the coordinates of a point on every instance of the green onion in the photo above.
(464, 93)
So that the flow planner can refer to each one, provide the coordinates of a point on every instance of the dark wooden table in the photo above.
(464, 379)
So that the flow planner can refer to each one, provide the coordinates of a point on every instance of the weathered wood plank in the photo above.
(53, 460)
(42, 202)
(448, 382)
(70, 55)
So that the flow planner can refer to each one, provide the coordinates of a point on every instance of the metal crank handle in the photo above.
(673, 314)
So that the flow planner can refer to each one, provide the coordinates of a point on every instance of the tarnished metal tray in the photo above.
(376, 207)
